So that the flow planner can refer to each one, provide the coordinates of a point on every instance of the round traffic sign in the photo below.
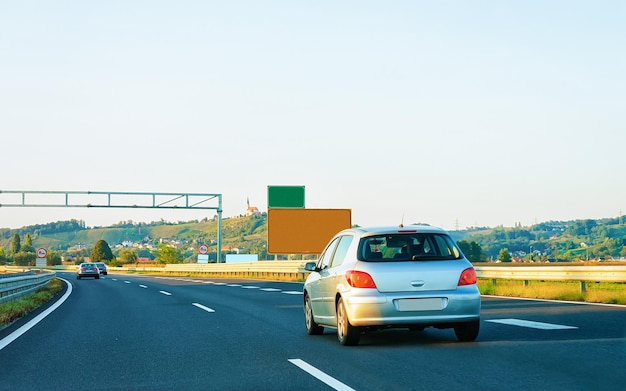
(41, 252)
(203, 249)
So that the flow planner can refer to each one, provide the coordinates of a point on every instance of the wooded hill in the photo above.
(239, 234)
(555, 240)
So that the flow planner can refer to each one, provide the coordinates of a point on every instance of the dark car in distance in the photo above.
(102, 268)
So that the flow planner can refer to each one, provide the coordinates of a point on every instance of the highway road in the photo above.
(125, 332)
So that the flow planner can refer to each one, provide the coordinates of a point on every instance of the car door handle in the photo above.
(417, 283)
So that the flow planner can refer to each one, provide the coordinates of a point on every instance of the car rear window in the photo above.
(408, 247)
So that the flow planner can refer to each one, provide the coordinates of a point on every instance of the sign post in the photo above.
(41, 261)
(203, 254)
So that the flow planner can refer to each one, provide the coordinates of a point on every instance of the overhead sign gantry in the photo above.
(111, 199)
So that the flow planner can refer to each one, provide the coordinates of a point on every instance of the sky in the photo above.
(453, 113)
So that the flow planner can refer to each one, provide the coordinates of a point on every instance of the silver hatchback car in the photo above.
(87, 270)
(391, 277)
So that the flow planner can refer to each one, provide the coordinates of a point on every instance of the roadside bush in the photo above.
(116, 263)
(14, 310)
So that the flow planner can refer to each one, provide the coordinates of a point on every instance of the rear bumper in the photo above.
(376, 309)
(95, 275)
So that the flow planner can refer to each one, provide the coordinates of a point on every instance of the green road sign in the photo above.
(285, 197)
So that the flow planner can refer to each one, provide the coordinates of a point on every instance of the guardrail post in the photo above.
(583, 286)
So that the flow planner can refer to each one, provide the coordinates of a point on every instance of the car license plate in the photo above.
(431, 304)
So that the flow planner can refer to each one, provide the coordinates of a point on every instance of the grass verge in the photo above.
(596, 292)
(9, 312)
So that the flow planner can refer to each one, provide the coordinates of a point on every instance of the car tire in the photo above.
(78, 277)
(312, 328)
(347, 334)
(97, 277)
(467, 332)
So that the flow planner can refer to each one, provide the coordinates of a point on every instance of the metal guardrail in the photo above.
(279, 270)
(20, 274)
(16, 285)
(583, 274)
(563, 273)
(294, 271)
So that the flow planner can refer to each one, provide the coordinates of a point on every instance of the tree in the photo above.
(472, 250)
(168, 254)
(504, 255)
(15, 244)
(101, 252)
(24, 259)
(3, 256)
(27, 247)
(128, 256)
(54, 258)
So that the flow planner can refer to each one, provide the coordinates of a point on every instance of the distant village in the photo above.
(148, 243)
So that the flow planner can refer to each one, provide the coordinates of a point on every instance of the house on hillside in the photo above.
(252, 210)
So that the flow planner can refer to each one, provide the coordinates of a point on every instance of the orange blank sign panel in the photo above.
(304, 231)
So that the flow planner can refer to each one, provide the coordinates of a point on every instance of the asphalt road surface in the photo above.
(126, 332)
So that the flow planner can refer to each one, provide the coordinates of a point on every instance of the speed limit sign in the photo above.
(41, 252)
(203, 249)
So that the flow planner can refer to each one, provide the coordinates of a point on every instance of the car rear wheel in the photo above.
(467, 332)
(312, 328)
(347, 334)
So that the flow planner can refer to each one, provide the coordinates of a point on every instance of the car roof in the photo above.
(399, 229)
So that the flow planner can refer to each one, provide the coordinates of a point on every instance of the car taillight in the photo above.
(468, 277)
(358, 279)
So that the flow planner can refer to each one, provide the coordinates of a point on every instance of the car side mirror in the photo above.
(311, 267)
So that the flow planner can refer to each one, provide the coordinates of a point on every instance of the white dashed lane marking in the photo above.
(223, 283)
(165, 293)
(319, 375)
(207, 309)
(531, 324)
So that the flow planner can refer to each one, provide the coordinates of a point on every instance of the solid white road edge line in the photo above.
(311, 370)
(556, 301)
(207, 309)
(17, 333)
(531, 324)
